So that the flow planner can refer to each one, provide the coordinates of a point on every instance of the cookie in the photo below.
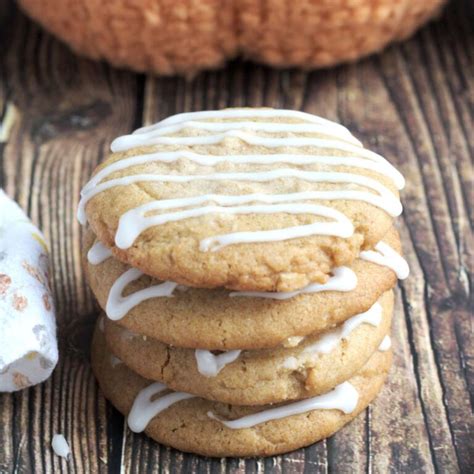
(208, 428)
(186, 37)
(247, 199)
(219, 320)
(313, 366)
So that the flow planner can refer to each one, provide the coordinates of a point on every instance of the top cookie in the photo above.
(248, 199)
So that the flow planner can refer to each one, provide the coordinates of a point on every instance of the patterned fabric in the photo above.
(28, 345)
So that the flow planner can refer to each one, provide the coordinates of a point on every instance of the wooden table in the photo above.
(413, 103)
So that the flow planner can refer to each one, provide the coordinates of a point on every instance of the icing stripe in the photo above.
(386, 344)
(133, 223)
(239, 113)
(386, 256)
(144, 138)
(380, 165)
(118, 306)
(384, 199)
(343, 397)
(342, 279)
(136, 222)
(144, 409)
(210, 365)
(98, 253)
(329, 341)
(127, 142)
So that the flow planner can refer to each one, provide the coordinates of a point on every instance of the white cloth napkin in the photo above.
(28, 344)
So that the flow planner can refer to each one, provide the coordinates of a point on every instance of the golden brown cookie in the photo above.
(214, 320)
(179, 36)
(324, 33)
(313, 366)
(247, 199)
(197, 425)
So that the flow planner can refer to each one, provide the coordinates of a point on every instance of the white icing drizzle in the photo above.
(60, 446)
(342, 279)
(240, 113)
(98, 253)
(153, 136)
(129, 141)
(118, 305)
(136, 220)
(210, 365)
(382, 198)
(343, 397)
(331, 339)
(144, 409)
(132, 223)
(386, 344)
(132, 141)
(386, 256)
(377, 163)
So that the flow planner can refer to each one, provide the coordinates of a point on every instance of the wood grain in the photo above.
(413, 103)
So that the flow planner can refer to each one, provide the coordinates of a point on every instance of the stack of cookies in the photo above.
(245, 261)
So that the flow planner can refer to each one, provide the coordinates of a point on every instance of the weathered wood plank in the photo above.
(438, 252)
(68, 109)
(423, 205)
